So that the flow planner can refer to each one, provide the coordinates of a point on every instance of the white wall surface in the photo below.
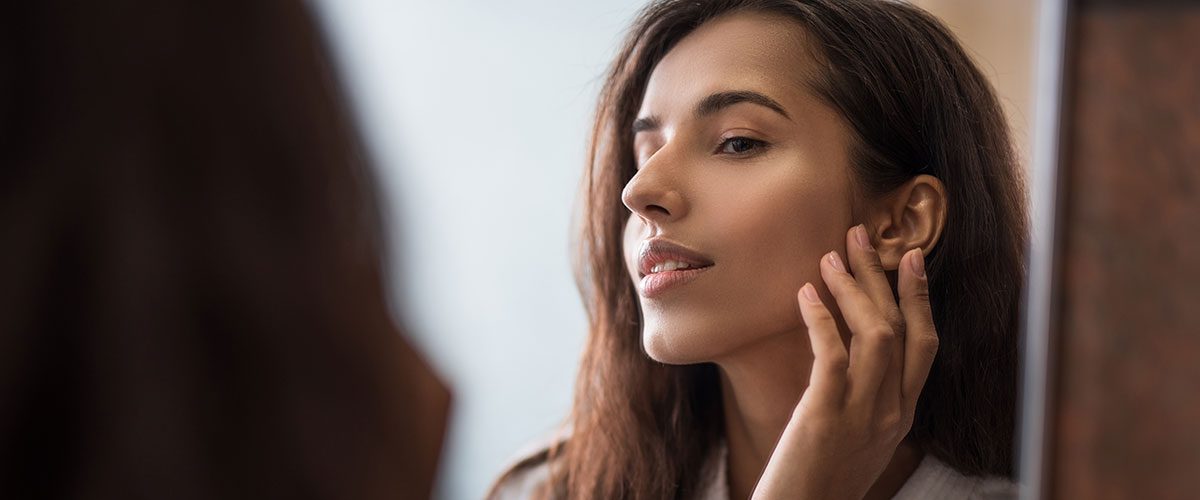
(476, 113)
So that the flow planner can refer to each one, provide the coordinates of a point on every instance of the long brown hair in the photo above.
(917, 105)
(193, 302)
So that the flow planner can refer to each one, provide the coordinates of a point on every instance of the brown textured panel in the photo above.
(1128, 405)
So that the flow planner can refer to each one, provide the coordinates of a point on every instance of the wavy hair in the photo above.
(916, 104)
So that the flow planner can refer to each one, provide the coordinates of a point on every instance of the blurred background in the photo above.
(476, 114)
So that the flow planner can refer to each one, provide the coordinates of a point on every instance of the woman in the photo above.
(765, 175)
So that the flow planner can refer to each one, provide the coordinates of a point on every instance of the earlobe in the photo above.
(913, 215)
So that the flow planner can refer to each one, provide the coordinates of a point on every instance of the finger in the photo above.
(921, 341)
(827, 383)
(871, 338)
(868, 272)
(867, 269)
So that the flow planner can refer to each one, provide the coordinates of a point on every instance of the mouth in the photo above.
(664, 265)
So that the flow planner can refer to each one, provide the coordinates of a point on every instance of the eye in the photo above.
(740, 145)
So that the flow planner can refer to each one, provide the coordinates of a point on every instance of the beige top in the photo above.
(932, 480)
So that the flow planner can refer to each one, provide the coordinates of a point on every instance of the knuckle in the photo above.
(882, 333)
(821, 314)
(891, 421)
(921, 295)
(838, 360)
(930, 344)
(819, 317)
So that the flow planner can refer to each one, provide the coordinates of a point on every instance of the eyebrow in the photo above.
(714, 103)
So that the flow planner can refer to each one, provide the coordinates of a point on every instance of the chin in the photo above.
(678, 344)
(660, 349)
(703, 338)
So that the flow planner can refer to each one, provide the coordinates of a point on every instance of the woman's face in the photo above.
(743, 177)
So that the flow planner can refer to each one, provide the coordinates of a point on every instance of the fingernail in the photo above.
(917, 262)
(860, 234)
(836, 261)
(810, 293)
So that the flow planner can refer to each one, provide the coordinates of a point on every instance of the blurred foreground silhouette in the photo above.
(192, 302)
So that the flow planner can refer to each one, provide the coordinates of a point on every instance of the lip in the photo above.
(657, 250)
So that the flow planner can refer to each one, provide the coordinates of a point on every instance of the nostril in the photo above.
(658, 208)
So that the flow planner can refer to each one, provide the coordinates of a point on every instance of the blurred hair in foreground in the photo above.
(192, 302)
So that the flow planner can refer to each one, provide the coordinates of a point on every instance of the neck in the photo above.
(760, 386)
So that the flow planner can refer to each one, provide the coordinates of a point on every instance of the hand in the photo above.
(859, 404)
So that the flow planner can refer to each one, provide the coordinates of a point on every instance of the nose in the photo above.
(653, 193)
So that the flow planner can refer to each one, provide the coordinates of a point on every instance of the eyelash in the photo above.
(756, 146)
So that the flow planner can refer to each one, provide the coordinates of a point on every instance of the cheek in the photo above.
(792, 221)
(778, 239)
(771, 251)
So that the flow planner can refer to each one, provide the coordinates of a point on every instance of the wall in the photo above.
(477, 114)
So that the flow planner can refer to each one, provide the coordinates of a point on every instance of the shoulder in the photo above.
(527, 473)
(935, 480)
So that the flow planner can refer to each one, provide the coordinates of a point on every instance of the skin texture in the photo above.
(755, 214)
(766, 197)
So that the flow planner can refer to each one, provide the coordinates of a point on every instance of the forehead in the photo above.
(742, 51)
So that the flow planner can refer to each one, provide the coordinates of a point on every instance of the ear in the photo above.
(912, 215)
